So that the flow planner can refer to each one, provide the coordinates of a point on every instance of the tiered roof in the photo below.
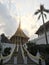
(41, 28)
(20, 32)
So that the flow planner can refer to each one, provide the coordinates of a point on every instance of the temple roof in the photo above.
(41, 28)
(20, 32)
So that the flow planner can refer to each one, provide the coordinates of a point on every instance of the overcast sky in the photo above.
(13, 10)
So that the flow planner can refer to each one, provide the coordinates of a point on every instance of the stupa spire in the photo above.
(19, 23)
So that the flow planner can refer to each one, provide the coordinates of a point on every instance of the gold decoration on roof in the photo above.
(19, 32)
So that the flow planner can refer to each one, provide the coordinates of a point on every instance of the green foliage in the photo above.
(43, 48)
(47, 50)
(6, 51)
(1, 62)
(32, 48)
(0, 48)
(30, 44)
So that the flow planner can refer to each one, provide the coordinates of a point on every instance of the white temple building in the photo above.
(41, 34)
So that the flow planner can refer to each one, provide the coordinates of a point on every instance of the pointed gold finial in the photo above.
(19, 23)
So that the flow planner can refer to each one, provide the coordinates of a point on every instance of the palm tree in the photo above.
(42, 11)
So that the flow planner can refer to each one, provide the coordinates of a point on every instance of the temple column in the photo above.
(20, 40)
(15, 39)
(17, 44)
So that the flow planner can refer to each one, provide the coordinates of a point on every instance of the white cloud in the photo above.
(10, 24)
(24, 9)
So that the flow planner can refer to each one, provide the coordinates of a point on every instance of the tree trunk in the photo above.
(44, 30)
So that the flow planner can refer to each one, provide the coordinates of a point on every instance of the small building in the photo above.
(4, 39)
(41, 36)
(40, 31)
(19, 36)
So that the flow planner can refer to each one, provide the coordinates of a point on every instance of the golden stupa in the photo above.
(19, 36)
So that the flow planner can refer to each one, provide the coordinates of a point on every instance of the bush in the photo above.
(47, 50)
(6, 51)
(32, 48)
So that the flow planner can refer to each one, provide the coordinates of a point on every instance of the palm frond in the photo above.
(37, 12)
(45, 10)
(39, 16)
(45, 15)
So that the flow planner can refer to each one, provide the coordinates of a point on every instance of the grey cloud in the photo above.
(10, 23)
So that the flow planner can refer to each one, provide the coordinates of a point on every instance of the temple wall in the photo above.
(41, 39)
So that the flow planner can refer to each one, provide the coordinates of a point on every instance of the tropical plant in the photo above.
(42, 11)
(31, 44)
(32, 48)
(0, 48)
(6, 51)
(1, 62)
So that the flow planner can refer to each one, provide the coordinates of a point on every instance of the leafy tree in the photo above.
(6, 51)
(0, 48)
(32, 48)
